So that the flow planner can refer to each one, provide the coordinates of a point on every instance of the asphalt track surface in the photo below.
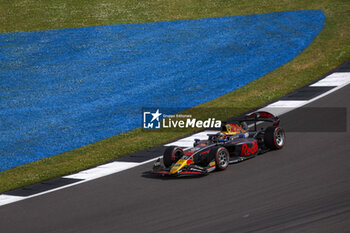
(303, 188)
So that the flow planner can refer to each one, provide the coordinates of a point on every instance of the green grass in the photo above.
(330, 48)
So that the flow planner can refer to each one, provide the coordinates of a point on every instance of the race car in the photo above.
(234, 143)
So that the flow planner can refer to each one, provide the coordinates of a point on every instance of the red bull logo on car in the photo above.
(246, 150)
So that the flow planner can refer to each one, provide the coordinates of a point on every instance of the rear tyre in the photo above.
(274, 138)
(171, 155)
(222, 157)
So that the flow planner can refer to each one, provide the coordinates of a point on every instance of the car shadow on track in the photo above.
(151, 175)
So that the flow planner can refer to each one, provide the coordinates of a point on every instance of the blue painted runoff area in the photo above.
(66, 88)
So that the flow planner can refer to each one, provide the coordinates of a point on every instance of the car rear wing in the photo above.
(260, 116)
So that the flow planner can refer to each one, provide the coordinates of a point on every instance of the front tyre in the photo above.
(222, 157)
(171, 155)
(274, 138)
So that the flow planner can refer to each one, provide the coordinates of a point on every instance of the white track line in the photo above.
(337, 80)
(7, 199)
(103, 170)
(283, 106)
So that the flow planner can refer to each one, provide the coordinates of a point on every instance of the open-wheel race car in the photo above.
(234, 143)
